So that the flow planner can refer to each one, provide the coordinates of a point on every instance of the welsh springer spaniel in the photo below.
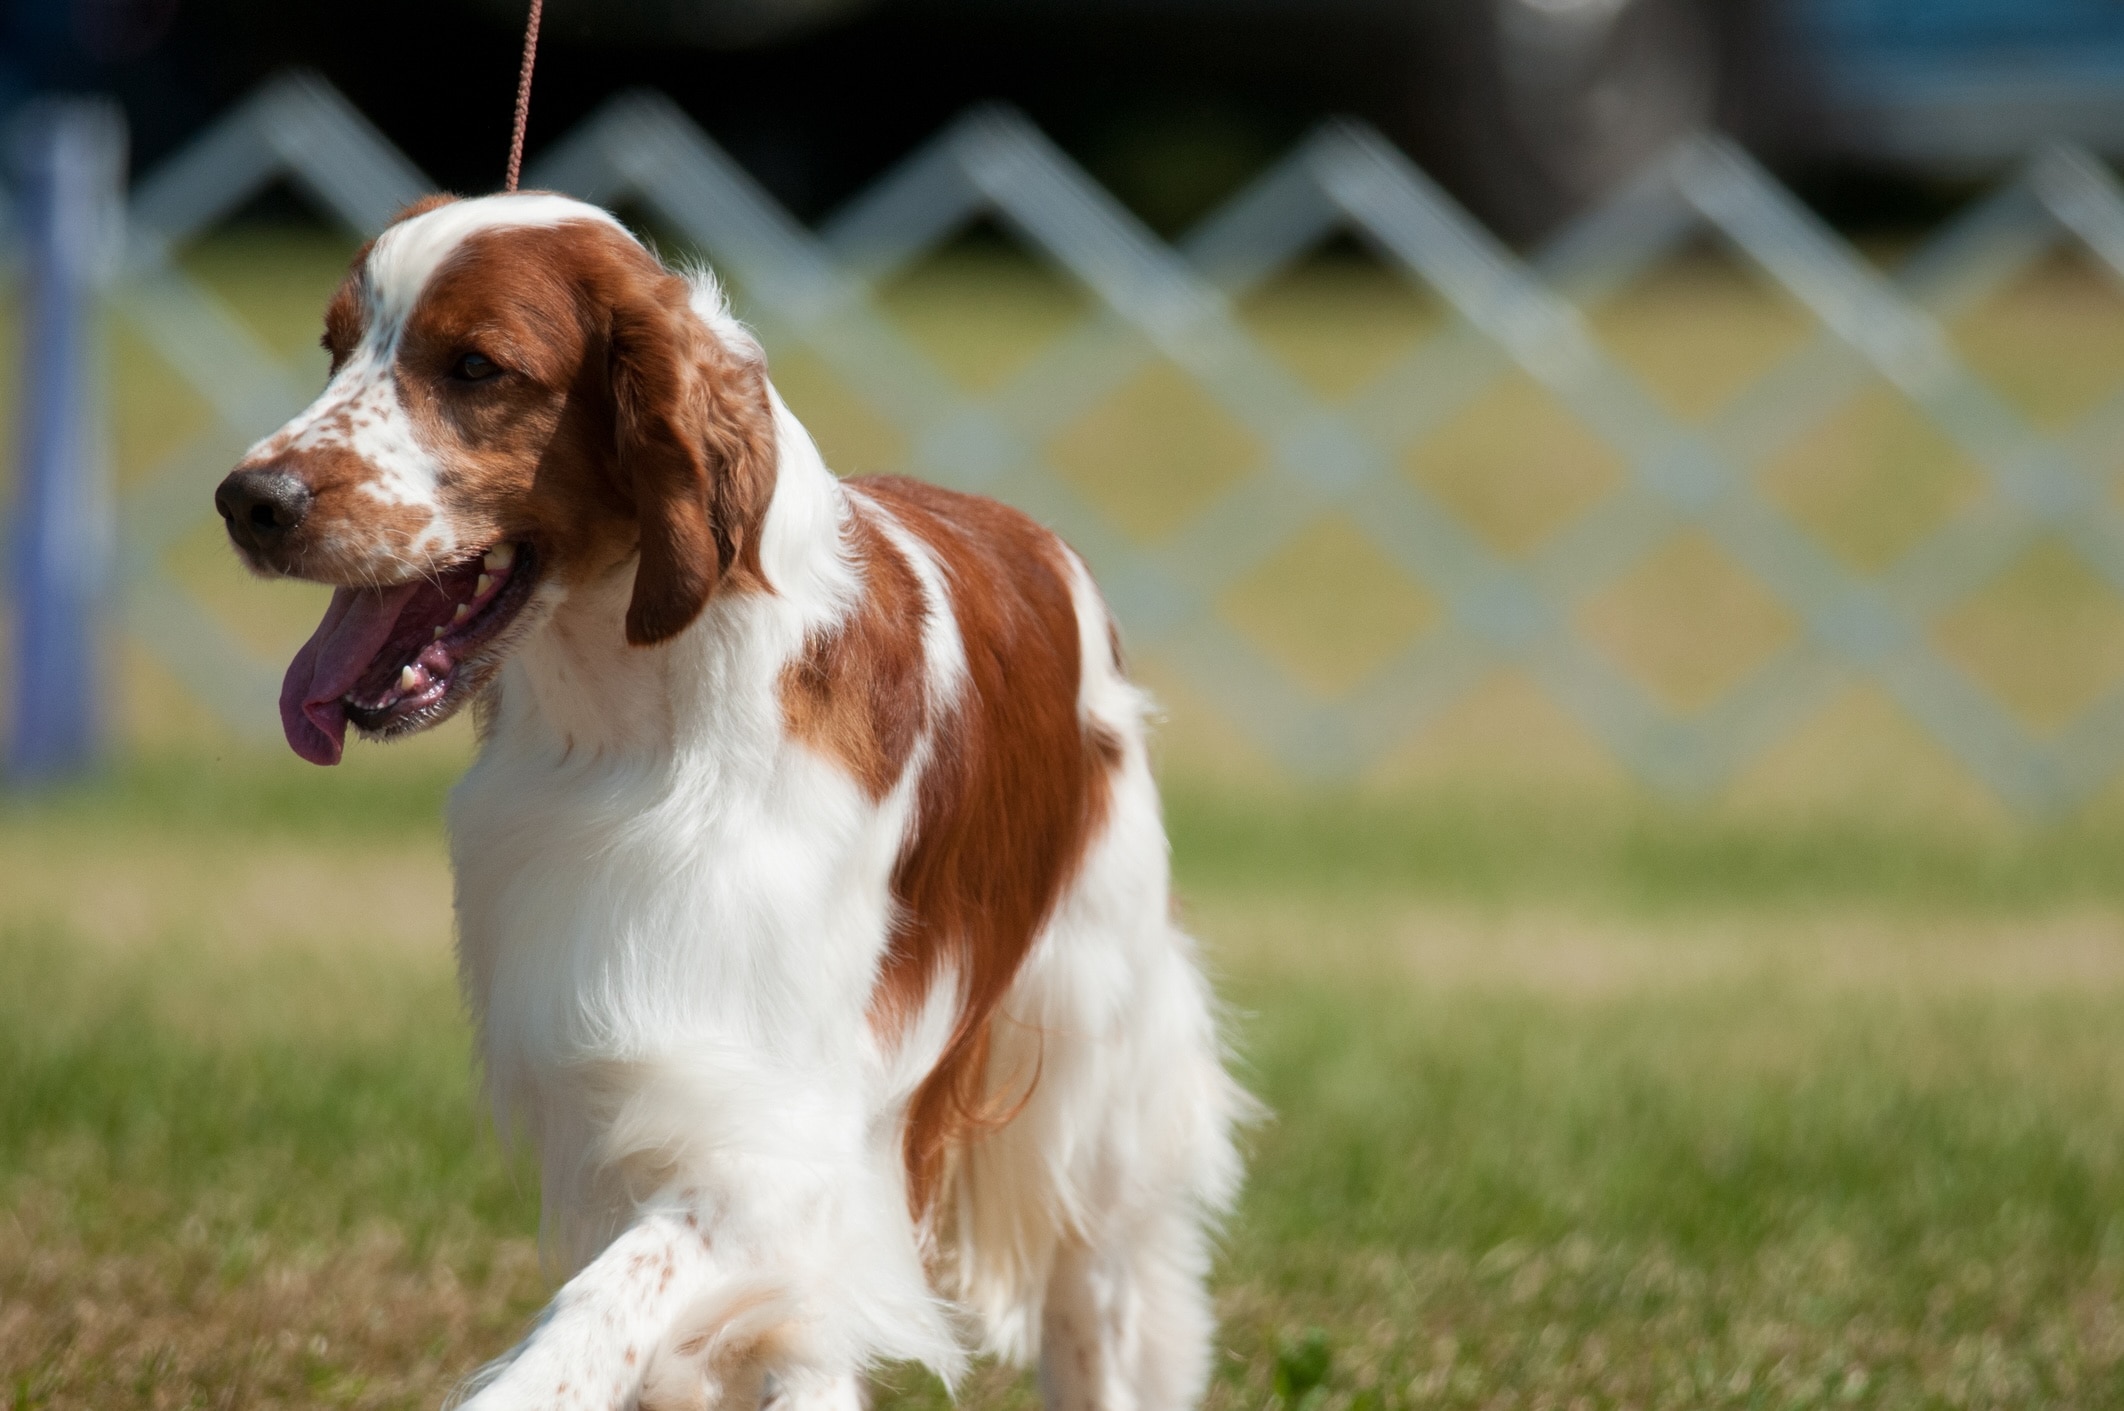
(811, 884)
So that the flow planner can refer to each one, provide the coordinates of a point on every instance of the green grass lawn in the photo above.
(1602, 1109)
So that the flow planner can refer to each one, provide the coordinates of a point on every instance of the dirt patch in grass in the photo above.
(1583, 954)
(239, 895)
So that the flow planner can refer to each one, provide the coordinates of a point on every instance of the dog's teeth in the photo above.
(464, 610)
(438, 634)
(479, 589)
(500, 557)
(409, 679)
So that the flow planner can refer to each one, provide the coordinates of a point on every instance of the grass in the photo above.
(244, 1181)
(1647, 1109)
(1489, 848)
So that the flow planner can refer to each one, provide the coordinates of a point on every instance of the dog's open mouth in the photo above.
(395, 660)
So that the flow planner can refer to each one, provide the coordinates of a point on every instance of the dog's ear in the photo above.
(695, 434)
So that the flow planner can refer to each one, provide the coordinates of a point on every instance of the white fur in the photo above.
(672, 917)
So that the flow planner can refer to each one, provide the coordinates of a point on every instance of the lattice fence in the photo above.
(820, 292)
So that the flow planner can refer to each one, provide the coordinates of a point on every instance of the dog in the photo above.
(811, 883)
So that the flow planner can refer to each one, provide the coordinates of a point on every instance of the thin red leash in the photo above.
(523, 96)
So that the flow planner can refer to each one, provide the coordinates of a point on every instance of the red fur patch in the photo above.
(857, 693)
(1014, 789)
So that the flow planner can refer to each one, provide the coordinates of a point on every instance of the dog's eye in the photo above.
(474, 367)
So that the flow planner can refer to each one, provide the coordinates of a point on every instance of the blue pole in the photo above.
(71, 162)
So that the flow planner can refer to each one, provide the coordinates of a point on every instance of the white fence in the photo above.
(818, 291)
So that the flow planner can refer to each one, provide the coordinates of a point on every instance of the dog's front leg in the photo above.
(597, 1338)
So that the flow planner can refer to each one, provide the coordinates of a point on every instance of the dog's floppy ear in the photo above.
(695, 452)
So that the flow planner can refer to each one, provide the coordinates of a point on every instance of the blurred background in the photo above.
(1618, 501)
(1524, 111)
(1392, 519)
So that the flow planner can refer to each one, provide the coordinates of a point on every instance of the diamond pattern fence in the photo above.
(819, 292)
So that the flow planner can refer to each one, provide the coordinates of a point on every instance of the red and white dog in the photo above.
(811, 885)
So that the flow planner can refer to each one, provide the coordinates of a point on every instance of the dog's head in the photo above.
(522, 399)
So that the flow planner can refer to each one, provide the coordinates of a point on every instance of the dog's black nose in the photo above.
(261, 507)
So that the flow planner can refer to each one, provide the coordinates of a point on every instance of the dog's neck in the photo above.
(576, 690)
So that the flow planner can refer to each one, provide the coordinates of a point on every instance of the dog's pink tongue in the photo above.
(354, 630)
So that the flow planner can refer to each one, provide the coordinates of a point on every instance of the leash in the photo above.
(523, 96)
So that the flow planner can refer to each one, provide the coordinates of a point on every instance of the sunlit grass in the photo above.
(1312, 844)
(1647, 1109)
